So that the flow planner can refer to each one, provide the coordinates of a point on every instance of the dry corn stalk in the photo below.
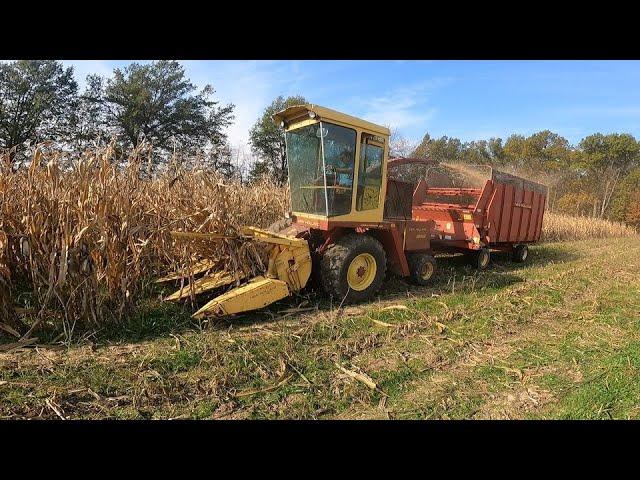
(558, 227)
(88, 233)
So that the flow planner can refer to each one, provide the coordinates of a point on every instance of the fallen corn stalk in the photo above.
(358, 376)
(284, 378)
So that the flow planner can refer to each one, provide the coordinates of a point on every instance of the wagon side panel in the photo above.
(534, 218)
(516, 214)
(505, 217)
(542, 202)
(525, 217)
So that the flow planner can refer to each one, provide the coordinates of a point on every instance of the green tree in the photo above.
(37, 100)
(543, 150)
(607, 159)
(496, 151)
(89, 118)
(157, 102)
(224, 160)
(267, 141)
(625, 206)
(443, 149)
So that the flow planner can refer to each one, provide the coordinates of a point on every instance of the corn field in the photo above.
(81, 239)
(558, 227)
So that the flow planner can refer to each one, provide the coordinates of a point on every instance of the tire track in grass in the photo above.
(466, 371)
(459, 369)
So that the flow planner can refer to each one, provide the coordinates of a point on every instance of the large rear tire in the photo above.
(422, 267)
(353, 268)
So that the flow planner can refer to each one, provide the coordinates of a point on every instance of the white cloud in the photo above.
(405, 108)
(249, 85)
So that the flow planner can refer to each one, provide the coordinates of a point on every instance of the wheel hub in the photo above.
(361, 272)
(427, 271)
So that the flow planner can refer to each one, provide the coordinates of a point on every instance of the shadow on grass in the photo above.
(156, 319)
(454, 275)
(502, 273)
(162, 320)
(153, 319)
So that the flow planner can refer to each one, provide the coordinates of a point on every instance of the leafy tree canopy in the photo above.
(267, 141)
(37, 99)
(157, 102)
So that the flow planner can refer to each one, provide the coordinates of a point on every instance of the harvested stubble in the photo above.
(83, 242)
(558, 227)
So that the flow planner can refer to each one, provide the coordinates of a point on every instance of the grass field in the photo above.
(557, 337)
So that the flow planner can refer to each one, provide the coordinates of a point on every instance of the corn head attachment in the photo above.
(288, 272)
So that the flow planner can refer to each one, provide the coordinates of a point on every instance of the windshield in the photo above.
(304, 157)
(321, 163)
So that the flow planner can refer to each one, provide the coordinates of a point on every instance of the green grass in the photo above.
(557, 337)
(611, 388)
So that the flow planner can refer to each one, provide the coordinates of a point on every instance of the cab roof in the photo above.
(296, 112)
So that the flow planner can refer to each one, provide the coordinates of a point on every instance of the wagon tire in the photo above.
(480, 259)
(422, 267)
(353, 268)
(520, 253)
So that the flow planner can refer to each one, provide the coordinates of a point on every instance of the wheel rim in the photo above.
(426, 271)
(362, 272)
(525, 252)
(484, 259)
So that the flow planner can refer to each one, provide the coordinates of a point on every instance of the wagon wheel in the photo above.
(520, 253)
(422, 267)
(480, 259)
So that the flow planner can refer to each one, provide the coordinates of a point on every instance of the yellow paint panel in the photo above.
(208, 282)
(275, 238)
(299, 112)
(259, 293)
(197, 268)
(200, 236)
(370, 198)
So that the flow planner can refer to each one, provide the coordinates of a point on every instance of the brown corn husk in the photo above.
(88, 234)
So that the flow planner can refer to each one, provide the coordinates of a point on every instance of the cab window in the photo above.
(370, 174)
(339, 159)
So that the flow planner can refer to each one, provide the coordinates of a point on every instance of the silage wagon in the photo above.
(475, 208)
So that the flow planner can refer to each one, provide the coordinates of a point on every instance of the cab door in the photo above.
(370, 173)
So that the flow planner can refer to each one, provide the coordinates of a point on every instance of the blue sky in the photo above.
(466, 99)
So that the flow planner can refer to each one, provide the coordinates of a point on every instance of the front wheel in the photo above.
(422, 267)
(480, 258)
(353, 268)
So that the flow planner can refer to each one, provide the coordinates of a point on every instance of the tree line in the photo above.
(599, 177)
(40, 101)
